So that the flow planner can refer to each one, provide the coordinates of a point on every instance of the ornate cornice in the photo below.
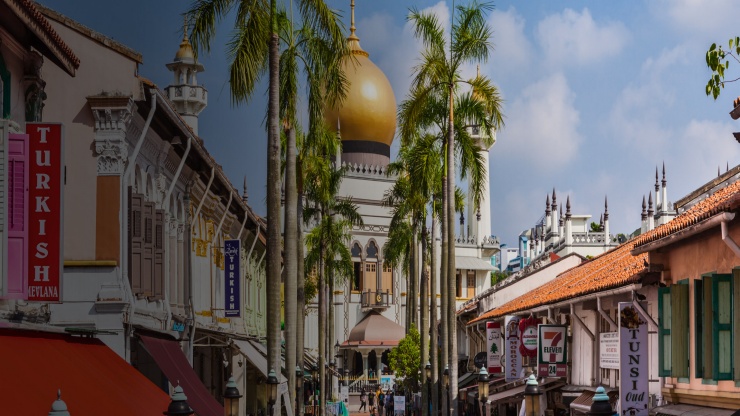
(112, 117)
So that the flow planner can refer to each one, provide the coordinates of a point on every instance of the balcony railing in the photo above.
(376, 299)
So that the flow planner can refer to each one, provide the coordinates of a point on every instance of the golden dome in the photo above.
(185, 51)
(368, 112)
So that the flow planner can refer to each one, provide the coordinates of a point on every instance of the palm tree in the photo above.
(439, 74)
(328, 242)
(253, 47)
(319, 61)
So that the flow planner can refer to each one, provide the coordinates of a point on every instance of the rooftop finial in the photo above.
(567, 208)
(547, 204)
(244, 194)
(657, 186)
(664, 181)
(606, 209)
(644, 213)
(352, 18)
(554, 198)
(650, 204)
(185, 27)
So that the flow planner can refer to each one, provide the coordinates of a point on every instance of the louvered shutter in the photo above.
(147, 259)
(698, 328)
(736, 320)
(136, 239)
(664, 335)
(680, 330)
(722, 326)
(707, 351)
(17, 216)
(158, 254)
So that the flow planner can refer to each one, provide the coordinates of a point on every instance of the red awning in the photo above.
(93, 379)
(176, 368)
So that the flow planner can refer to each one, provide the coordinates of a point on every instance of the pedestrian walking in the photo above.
(371, 402)
(363, 400)
(389, 403)
(381, 402)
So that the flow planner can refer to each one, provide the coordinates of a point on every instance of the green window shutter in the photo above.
(680, 329)
(722, 326)
(698, 326)
(707, 325)
(664, 336)
(736, 319)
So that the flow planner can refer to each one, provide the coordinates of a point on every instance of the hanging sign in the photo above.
(552, 351)
(46, 174)
(633, 361)
(232, 256)
(528, 337)
(511, 344)
(493, 347)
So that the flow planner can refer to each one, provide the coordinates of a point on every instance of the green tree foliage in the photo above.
(405, 359)
(498, 276)
(718, 62)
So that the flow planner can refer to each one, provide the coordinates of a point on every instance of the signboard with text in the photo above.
(46, 182)
(513, 359)
(552, 351)
(232, 256)
(609, 350)
(493, 347)
(633, 361)
(528, 337)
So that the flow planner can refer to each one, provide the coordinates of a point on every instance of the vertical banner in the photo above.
(45, 211)
(493, 347)
(633, 361)
(552, 351)
(232, 256)
(511, 344)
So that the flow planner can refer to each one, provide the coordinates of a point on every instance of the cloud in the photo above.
(572, 38)
(512, 49)
(700, 17)
(552, 141)
(712, 145)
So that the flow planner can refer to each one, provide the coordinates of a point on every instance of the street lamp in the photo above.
(532, 396)
(231, 398)
(600, 405)
(483, 388)
(446, 377)
(298, 388)
(59, 408)
(272, 388)
(179, 405)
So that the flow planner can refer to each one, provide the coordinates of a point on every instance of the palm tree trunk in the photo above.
(322, 325)
(273, 205)
(444, 289)
(300, 296)
(451, 272)
(290, 260)
(415, 280)
(330, 332)
(434, 347)
(424, 327)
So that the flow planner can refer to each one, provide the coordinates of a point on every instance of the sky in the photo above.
(597, 95)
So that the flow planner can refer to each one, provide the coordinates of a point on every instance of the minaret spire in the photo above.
(245, 198)
(606, 209)
(644, 213)
(352, 19)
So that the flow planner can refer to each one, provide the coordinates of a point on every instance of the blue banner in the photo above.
(232, 256)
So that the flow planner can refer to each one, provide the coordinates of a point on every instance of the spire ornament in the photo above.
(606, 209)
(644, 213)
(567, 208)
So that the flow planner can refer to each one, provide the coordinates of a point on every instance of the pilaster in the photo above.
(112, 117)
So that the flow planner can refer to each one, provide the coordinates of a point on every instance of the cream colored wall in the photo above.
(101, 69)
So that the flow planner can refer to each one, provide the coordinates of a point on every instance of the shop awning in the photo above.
(92, 378)
(252, 352)
(516, 393)
(689, 410)
(582, 403)
(175, 366)
(472, 263)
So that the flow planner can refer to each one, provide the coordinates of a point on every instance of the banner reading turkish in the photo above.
(45, 244)
(232, 257)
(493, 347)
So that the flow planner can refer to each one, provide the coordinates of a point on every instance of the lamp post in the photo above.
(179, 405)
(298, 389)
(231, 398)
(483, 388)
(600, 405)
(272, 388)
(428, 370)
(446, 377)
(532, 397)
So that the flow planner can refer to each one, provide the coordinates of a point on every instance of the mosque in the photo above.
(370, 309)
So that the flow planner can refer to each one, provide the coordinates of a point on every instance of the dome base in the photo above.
(364, 152)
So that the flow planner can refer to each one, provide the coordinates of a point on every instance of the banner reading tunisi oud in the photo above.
(46, 167)
(633, 361)
(232, 256)
(493, 345)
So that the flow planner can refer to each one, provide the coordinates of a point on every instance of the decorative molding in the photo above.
(112, 156)
(112, 117)
(34, 86)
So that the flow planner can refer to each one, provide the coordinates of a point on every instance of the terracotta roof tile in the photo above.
(29, 8)
(723, 200)
(612, 269)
